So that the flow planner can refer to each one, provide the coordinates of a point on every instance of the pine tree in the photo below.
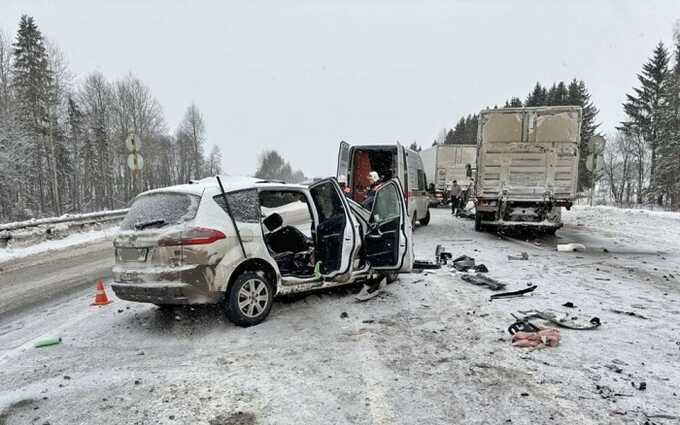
(32, 83)
(644, 109)
(537, 97)
(577, 95)
(668, 159)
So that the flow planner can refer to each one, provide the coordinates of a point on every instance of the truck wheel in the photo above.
(249, 300)
(425, 220)
(478, 222)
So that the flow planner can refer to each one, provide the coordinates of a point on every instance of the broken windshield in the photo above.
(160, 209)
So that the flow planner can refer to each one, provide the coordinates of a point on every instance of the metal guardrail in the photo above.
(53, 227)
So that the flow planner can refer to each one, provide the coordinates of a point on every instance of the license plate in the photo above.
(132, 254)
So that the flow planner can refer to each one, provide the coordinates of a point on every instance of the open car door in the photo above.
(343, 160)
(388, 242)
(335, 234)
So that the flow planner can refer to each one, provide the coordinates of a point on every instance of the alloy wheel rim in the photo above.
(253, 298)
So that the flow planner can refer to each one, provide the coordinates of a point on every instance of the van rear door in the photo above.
(388, 242)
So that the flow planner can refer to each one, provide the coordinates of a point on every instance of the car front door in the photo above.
(335, 232)
(388, 242)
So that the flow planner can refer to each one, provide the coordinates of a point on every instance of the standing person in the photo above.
(455, 197)
(374, 180)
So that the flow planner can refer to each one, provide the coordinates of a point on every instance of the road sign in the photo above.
(135, 161)
(133, 143)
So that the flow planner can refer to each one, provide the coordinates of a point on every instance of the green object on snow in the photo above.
(317, 269)
(47, 342)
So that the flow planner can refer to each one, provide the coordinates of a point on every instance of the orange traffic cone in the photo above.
(100, 298)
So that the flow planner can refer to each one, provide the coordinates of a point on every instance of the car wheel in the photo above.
(249, 300)
(425, 220)
(391, 277)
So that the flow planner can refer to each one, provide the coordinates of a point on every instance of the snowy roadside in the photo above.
(76, 239)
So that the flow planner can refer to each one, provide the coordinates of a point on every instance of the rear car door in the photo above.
(388, 242)
(334, 238)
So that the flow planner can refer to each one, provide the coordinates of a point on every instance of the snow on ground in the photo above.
(7, 254)
(431, 349)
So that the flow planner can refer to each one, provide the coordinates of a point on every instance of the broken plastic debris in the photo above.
(571, 247)
(522, 256)
(47, 342)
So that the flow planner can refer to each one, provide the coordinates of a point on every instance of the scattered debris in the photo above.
(642, 386)
(607, 393)
(481, 280)
(425, 265)
(571, 247)
(547, 337)
(628, 313)
(522, 256)
(441, 256)
(564, 323)
(481, 268)
(606, 279)
(513, 294)
(463, 263)
(371, 290)
(569, 304)
(47, 342)
(522, 325)
(614, 368)
(344, 315)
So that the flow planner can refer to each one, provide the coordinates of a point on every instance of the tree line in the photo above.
(62, 140)
(560, 93)
(641, 162)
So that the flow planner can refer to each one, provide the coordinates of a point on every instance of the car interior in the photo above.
(289, 246)
(382, 161)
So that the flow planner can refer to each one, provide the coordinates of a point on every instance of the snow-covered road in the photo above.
(431, 350)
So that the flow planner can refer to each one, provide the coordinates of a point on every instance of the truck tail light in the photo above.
(192, 236)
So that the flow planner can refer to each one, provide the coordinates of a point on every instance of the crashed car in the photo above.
(241, 242)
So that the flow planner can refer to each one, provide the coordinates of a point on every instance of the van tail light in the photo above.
(192, 236)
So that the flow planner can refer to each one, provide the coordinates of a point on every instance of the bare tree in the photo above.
(191, 133)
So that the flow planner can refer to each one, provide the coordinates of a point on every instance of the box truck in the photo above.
(527, 166)
(446, 163)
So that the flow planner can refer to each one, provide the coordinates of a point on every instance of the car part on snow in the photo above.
(547, 337)
(425, 265)
(441, 256)
(564, 323)
(481, 280)
(463, 263)
(522, 324)
(571, 247)
(47, 342)
(521, 256)
(513, 294)
(371, 289)
(628, 313)
(481, 268)
(569, 304)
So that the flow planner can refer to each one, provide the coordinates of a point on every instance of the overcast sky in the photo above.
(302, 76)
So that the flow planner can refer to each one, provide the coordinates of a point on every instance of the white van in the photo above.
(389, 161)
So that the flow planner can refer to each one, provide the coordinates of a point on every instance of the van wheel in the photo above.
(478, 222)
(249, 300)
(425, 220)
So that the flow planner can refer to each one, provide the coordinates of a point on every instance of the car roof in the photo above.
(230, 184)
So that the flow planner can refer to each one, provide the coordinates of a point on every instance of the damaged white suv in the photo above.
(241, 242)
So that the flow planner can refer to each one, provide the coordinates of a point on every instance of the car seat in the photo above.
(290, 248)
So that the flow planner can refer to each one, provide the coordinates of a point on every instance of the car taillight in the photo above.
(193, 236)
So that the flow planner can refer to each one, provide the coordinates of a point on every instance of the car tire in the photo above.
(425, 220)
(249, 300)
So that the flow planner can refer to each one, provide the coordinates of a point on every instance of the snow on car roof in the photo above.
(230, 184)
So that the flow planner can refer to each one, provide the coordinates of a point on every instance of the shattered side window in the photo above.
(243, 204)
(160, 209)
(386, 205)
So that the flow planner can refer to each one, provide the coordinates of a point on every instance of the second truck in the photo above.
(527, 167)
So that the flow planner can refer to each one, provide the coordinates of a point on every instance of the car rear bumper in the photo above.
(164, 293)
